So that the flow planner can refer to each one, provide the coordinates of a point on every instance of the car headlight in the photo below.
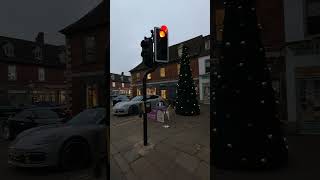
(47, 139)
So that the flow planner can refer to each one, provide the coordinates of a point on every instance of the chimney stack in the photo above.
(40, 38)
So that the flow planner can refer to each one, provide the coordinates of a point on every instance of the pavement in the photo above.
(179, 152)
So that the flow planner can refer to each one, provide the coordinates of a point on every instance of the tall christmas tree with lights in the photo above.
(186, 100)
(246, 126)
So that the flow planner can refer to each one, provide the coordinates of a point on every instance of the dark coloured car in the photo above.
(30, 118)
(120, 98)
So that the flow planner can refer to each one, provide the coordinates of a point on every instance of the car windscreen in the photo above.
(137, 98)
(24, 114)
(89, 116)
(45, 114)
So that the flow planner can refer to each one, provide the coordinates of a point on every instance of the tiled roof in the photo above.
(23, 52)
(117, 78)
(96, 17)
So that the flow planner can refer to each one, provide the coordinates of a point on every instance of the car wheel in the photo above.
(133, 110)
(74, 154)
(6, 133)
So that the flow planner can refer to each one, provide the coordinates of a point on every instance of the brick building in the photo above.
(164, 79)
(31, 71)
(86, 55)
(120, 84)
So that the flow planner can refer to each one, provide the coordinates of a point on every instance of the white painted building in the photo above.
(302, 20)
(204, 79)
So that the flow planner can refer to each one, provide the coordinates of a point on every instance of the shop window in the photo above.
(92, 96)
(164, 93)
(151, 91)
(162, 72)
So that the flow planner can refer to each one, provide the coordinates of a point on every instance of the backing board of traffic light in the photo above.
(161, 49)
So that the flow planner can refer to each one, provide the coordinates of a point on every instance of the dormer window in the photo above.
(8, 49)
(37, 53)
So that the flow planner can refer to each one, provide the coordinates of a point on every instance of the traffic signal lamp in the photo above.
(161, 49)
(147, 52)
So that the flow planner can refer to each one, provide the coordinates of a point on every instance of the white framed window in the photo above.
(122, 85)
(113, 84)
(207, 66)
(207, 45)
(8, 49)
(41, 74)
(12, 73)
(37, 53)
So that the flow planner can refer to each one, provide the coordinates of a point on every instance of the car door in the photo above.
(46, 117)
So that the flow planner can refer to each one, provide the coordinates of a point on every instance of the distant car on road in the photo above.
(120, 98)
(132, 107)
(30, 118)
(71, 145)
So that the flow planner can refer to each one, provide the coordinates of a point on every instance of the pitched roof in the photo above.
(96, 17)
(23, 52)
(117, 78)
(195, 45)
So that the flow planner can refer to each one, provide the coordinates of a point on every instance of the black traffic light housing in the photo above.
(161, 46)
(147, 51)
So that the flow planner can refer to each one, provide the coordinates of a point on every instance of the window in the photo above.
(207, 66)
(112, 76)
(113, 84)
(138, 92)
(12, 73)
(37, 53)
(90, 48)
(207, 45)
(92, 96)
(178, 69)
(8, 50)
(41, 74)
(151, 91)
(312, 16)
(162, 72)
(122, 85)
(180, 50)
(164, 93)
(138, 76)
(149, 76)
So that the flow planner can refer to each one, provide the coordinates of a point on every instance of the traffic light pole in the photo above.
(145, 118)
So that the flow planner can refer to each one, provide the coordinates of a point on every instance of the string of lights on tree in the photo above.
(186, 100)
(247, 129)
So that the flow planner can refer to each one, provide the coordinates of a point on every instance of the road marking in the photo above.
(127, 121)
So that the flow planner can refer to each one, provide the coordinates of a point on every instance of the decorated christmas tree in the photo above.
(186, 100)
(246, 126)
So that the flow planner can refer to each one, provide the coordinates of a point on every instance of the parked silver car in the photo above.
(133, 106)
(71, 145)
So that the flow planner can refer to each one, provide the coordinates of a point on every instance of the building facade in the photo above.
(31, 71)
(164, 79)
(86, 60)
(302, 19)
(120, 84)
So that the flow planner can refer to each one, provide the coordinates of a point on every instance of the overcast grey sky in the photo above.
(23, 19)
(131, 20)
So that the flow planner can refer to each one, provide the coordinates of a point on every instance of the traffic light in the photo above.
(161, 48)
(147, 52)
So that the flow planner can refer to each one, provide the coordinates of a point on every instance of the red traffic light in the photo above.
(163, 31)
